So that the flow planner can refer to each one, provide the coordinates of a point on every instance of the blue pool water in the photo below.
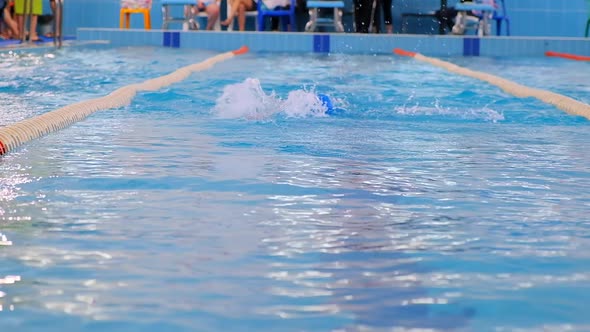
(231, 202)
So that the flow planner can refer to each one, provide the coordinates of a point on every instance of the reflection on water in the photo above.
(161, 216)
(4, 240)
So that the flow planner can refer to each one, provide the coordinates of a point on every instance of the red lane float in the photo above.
(568, 56)
(401, 52)
(241, 50)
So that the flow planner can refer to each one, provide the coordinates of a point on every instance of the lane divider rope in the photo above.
(562, 102)
(568, 56)
(17, 134)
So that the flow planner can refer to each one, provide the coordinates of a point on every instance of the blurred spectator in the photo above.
(211, 7)
(239, 8)
(35, 11)
(388, 20)
(364, 11)
(8, 25)
(277, 5)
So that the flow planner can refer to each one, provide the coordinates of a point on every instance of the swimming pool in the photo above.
(430, 201)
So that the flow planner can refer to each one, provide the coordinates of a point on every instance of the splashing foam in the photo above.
(485, 113)
(247, 100)
(3, 239)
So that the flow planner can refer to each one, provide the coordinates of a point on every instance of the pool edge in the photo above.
(349, 43)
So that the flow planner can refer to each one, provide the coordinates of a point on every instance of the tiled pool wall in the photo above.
(340, 43)
(537, 26)
(553, 18)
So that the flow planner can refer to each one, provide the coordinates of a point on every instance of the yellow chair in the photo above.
(129, 7)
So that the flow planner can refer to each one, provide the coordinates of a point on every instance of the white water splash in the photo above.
(247, 100)
(484, 113)
(3, 239)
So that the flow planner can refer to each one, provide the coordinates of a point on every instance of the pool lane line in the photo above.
(16, 134)
(569, 56)
(241, 50)
(565, 103)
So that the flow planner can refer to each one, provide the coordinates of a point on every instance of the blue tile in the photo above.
(166, 39)
(471, 46)
(171, 39)
(175, 40)
(321, 43)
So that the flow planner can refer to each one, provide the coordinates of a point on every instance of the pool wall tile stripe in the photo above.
(175, 39)
(321, 43)
(471, 46)
(166, 39)
(350, 43)
(171, 39)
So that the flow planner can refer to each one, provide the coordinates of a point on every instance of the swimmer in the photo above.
(248, 100)
(326, 101)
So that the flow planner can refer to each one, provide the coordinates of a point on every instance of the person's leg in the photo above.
(274, 23)
(242, 16)
(460, 20)
(20, 23)
(362, 15)
(4, 32)
(19, 9)
(445, 17)
(238, 7)
(212, 15)
(388, 20)
(36, 10)
(233, 4)
(376, 16)
(10, 22)
(487, 28)
(190, 11)
(33, 31)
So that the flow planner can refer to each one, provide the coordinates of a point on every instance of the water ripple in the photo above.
(428, 206)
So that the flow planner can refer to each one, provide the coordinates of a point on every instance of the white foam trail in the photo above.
(470, 113)
(249, 101)
(302, 103)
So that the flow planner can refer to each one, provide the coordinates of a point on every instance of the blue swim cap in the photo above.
(326, 102)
